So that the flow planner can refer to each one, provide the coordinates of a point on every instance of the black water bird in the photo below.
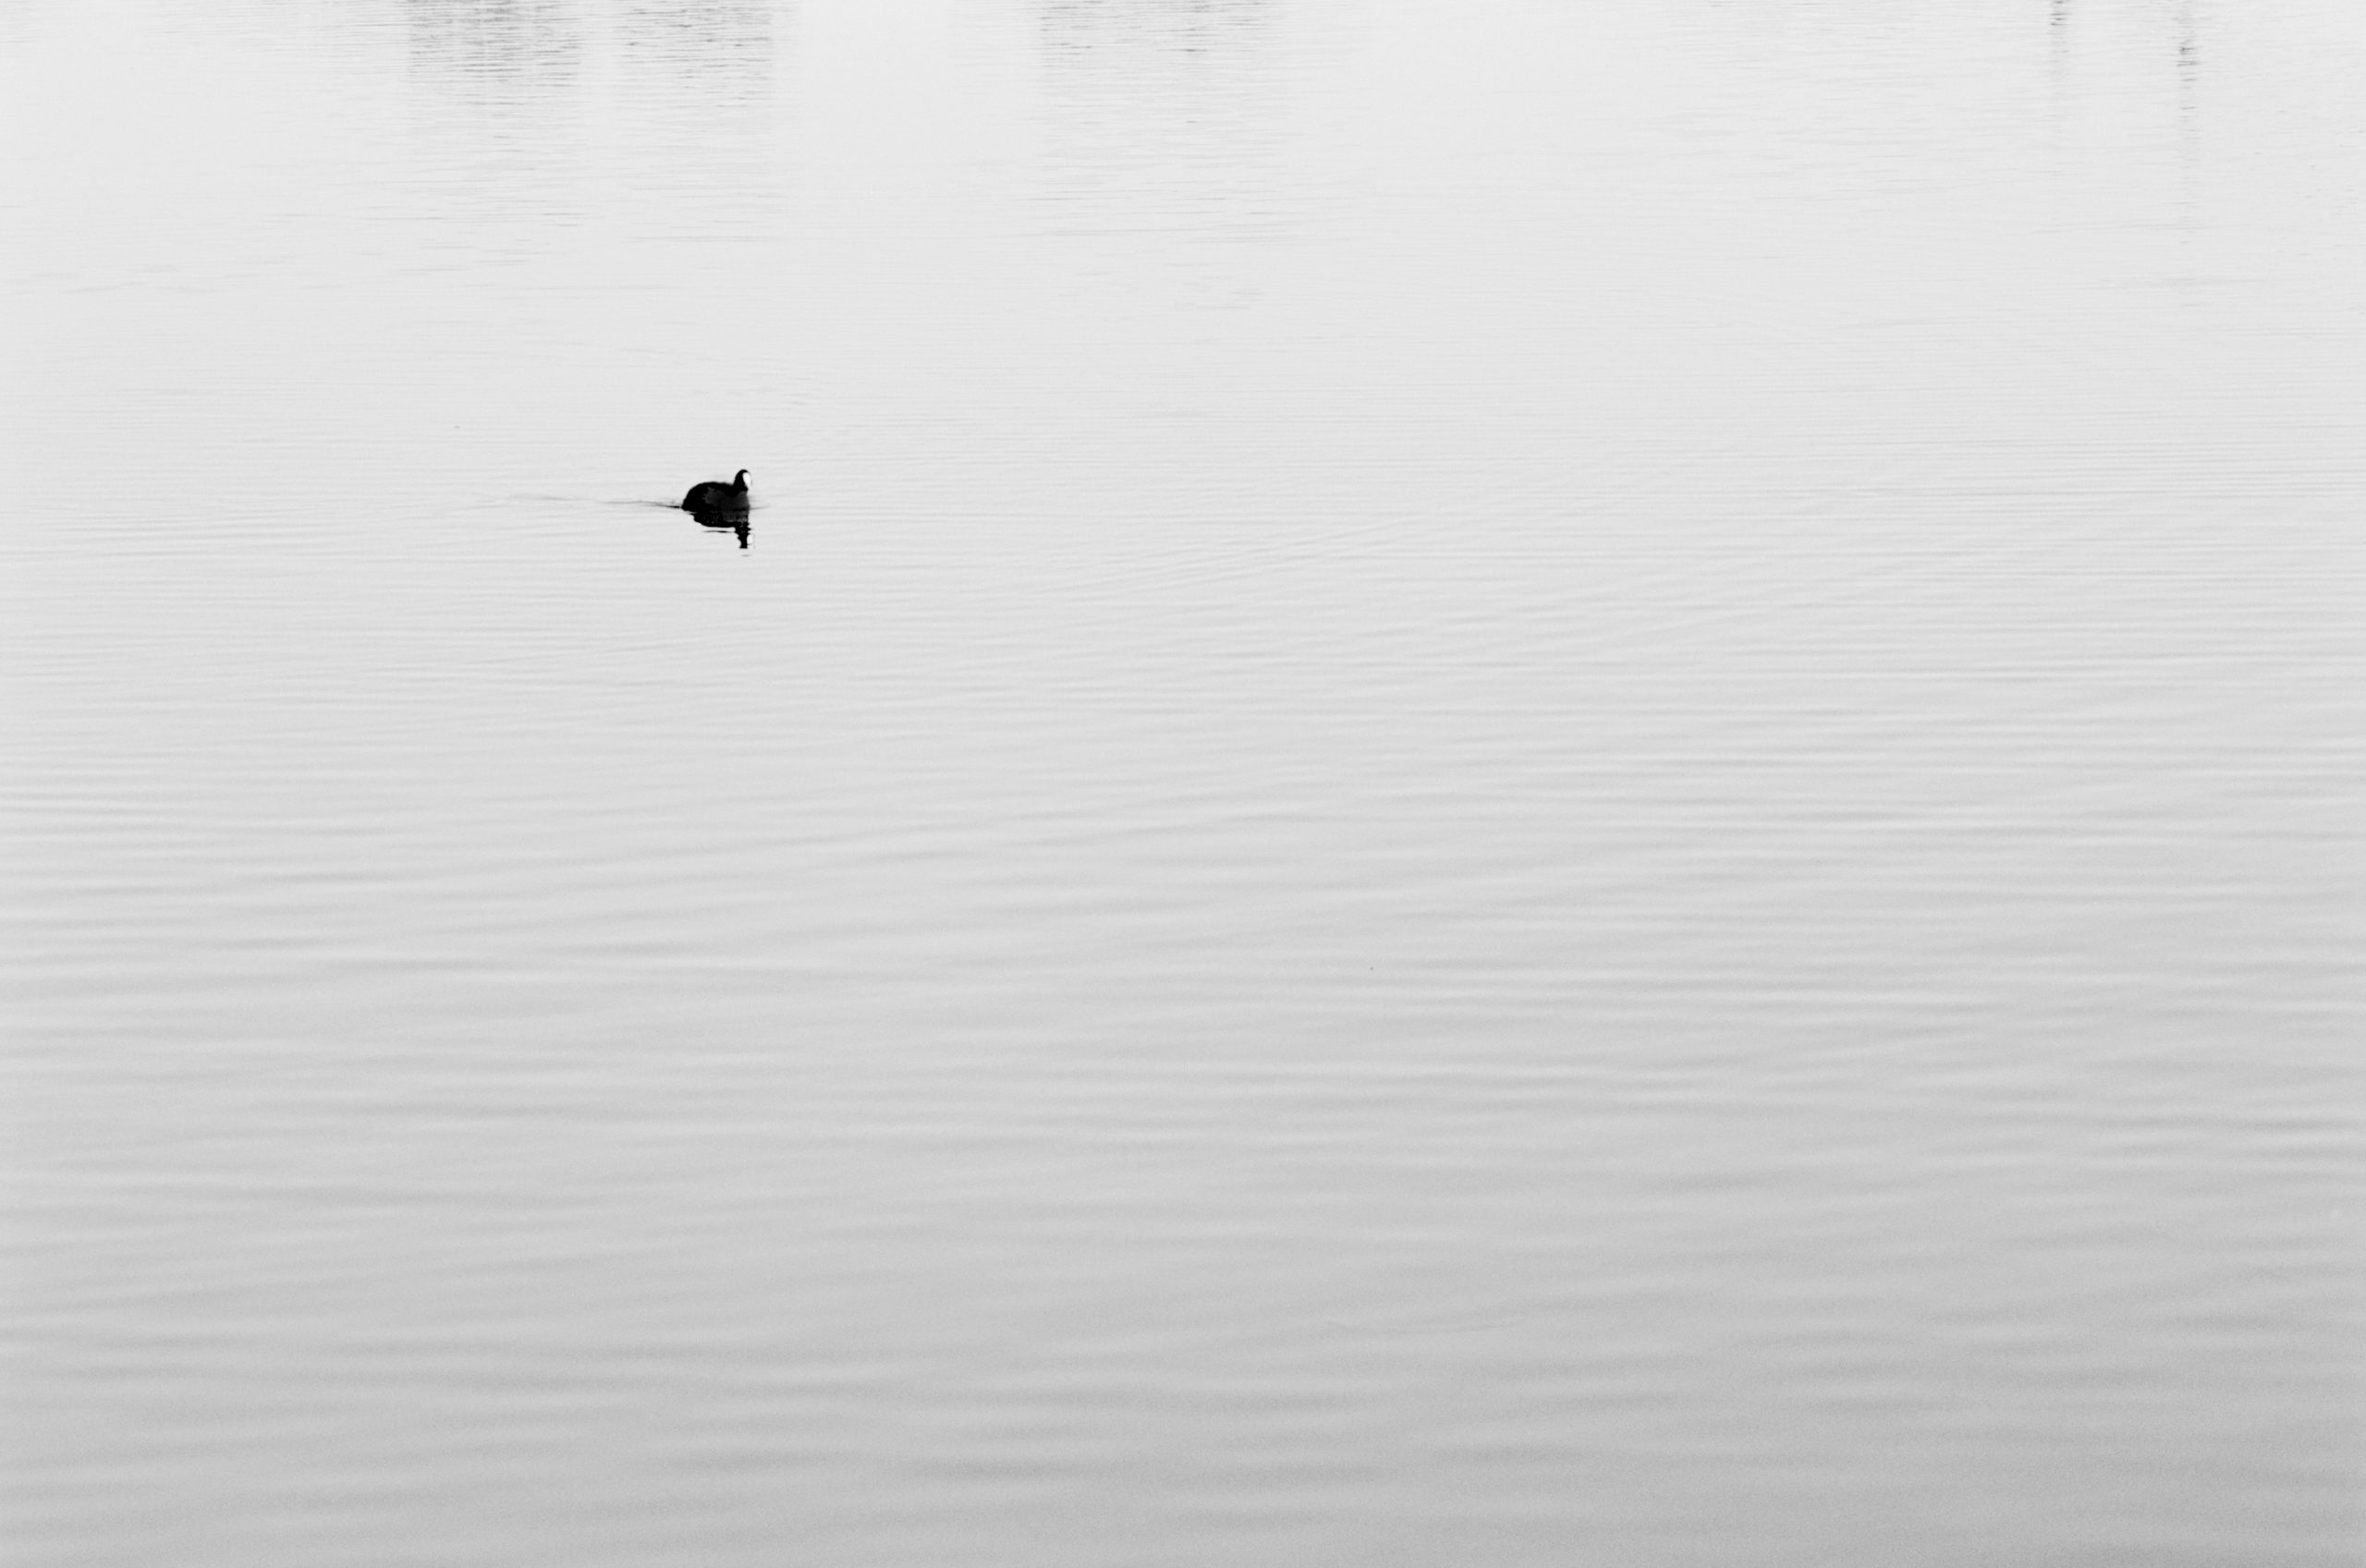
(713, 495)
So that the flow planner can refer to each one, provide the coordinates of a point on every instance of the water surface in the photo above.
(1537, 783)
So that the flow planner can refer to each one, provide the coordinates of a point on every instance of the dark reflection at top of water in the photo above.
(504, 45)
(717, 54)
(1158, 31)
(2167, 41)
(1161, 110)
(501, 80)
(550, 111)
(511, 48)
(703, 32)
(1143, 66)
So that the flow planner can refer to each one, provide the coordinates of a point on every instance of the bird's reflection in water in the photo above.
(723, 516)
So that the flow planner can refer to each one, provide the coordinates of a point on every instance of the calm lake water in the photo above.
(1574, 781)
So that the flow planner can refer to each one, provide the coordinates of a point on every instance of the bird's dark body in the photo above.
(713, 495)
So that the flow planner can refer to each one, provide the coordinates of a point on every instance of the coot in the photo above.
(713, 495)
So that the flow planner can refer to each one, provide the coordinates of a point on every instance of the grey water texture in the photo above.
(1556, 783)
